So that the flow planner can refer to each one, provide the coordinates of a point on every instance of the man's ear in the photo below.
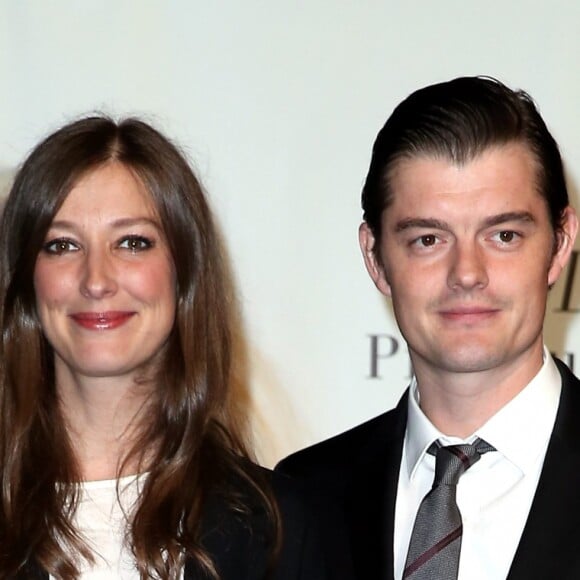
(372, 260)
(565, 239)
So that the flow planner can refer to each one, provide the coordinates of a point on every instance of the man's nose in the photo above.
(468, 268)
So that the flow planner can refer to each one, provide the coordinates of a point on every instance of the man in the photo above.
(467, 225)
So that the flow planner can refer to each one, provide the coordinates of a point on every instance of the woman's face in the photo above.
(104, 279)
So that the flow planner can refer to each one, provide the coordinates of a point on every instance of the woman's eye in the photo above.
(60, 246)
(136, 243)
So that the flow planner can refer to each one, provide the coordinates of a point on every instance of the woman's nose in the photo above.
(98, 277)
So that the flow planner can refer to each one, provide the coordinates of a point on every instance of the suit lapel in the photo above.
(549, 544)
(371, 505)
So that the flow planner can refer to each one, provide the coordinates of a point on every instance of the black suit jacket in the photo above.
(360, 469)
(239, 546)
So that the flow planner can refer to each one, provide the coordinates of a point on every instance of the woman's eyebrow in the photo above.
(118, 223)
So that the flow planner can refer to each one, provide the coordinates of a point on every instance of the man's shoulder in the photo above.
(568, 376)
(348, 450)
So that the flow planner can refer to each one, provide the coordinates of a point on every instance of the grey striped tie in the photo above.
(436, 539)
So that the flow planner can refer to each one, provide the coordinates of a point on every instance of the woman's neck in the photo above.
(102, 416)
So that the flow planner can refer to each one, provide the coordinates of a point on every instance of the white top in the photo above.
(101, 517)
(494, 495)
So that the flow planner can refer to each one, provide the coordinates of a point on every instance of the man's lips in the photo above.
(469, 313)
(101, 320)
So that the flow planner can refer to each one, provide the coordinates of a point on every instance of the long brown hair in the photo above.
(193, 444)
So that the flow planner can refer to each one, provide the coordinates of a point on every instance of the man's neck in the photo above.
(460, 403)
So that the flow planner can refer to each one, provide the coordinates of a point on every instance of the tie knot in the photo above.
(453, 461)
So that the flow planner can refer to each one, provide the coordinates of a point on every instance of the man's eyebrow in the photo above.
(435, 224)
(429, 223)
(510, 216)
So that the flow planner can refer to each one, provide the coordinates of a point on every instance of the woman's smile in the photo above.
(101, 320)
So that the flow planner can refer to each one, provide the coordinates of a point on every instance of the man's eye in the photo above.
(136, 243)
(427, 240)
(506, 236)
(60, 246)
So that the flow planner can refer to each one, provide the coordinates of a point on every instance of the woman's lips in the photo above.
(101, 320)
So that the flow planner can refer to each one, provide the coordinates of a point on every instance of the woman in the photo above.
(119, 456)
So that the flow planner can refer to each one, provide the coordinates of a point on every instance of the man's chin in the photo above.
(470, 359)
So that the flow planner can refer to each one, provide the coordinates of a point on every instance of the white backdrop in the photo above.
(277, 104)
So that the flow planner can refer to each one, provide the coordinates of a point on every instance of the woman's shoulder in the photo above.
(241, 541)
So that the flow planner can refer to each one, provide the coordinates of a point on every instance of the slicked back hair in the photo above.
(456, 121)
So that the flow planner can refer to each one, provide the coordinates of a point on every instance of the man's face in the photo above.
(467, 254)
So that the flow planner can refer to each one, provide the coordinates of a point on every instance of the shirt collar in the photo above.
(520, 430)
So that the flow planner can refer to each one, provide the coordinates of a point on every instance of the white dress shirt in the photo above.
(494, 495)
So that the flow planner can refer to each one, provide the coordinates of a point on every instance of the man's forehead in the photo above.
(445, 157)
(501, 166)
(498, 181)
